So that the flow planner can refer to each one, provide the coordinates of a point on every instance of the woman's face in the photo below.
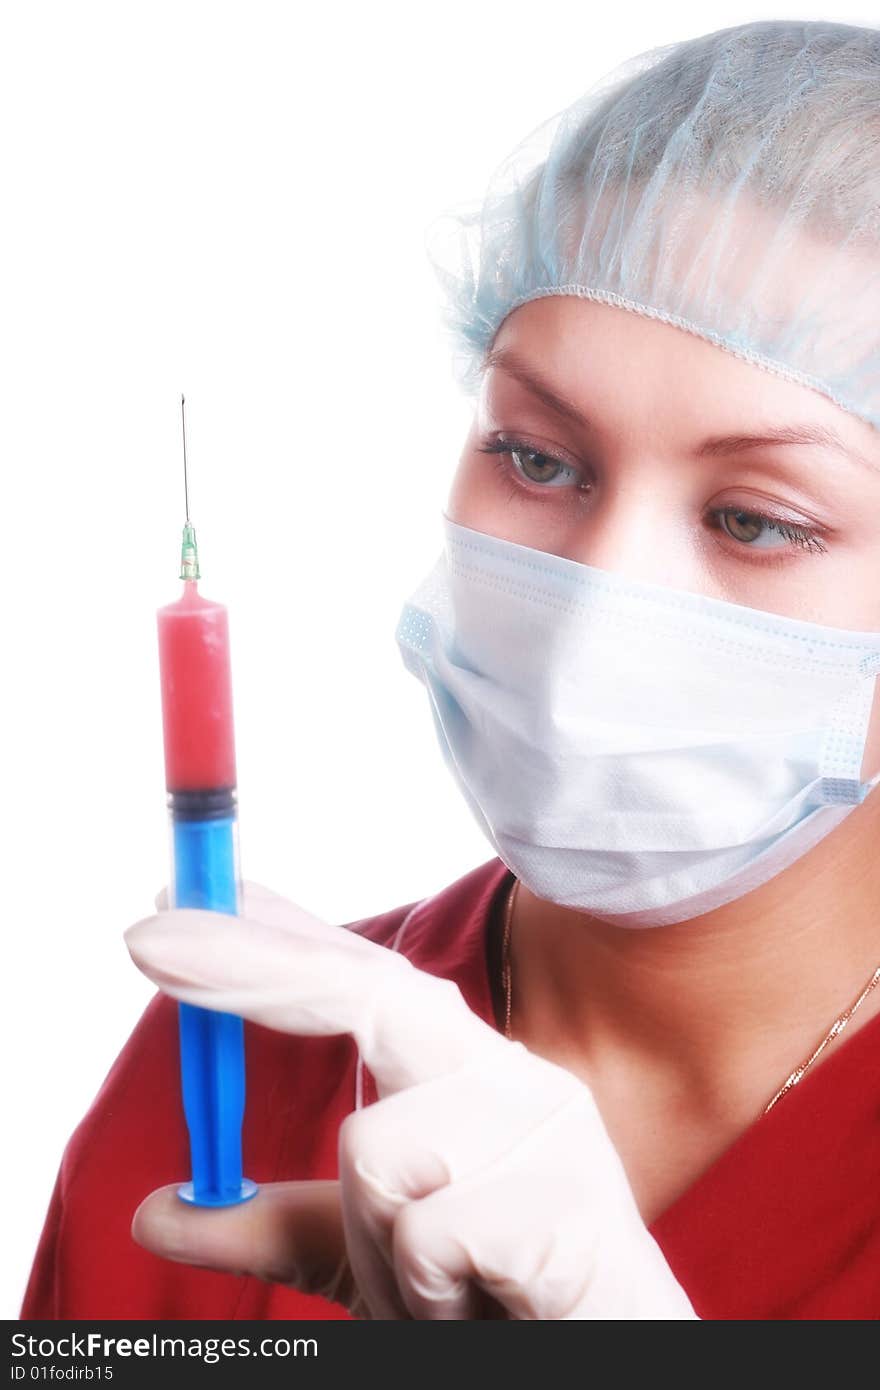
(660, 469)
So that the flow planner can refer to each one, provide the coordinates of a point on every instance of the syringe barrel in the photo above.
(205, 860)
(200, 782)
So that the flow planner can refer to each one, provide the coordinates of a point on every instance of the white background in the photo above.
(231, 200)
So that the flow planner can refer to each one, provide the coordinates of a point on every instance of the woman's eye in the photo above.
(760, 532)
(751, 530)
(531, 464)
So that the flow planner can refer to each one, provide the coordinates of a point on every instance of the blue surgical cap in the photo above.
(728, 184)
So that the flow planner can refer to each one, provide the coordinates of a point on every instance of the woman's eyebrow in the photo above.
(819, 435)
(506, 360)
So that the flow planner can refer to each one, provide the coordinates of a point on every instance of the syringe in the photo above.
(200, 778)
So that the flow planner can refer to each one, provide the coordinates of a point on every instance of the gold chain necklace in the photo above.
(837, 1026)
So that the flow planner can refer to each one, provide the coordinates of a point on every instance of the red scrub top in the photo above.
(785, 1224)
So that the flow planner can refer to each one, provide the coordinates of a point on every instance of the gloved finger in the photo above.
(539, 1232)
(498, 1181)
(478, 1235)
(549, 1228)
(307, 976)
(289, 1233)
(257, 901)
(459, 1123)
(430, 1138)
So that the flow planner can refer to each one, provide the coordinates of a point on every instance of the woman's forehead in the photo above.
(606, 360)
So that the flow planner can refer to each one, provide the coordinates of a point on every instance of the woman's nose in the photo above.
(631, 534)
(616, 533)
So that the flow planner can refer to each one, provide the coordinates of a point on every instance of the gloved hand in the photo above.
(482, 1182)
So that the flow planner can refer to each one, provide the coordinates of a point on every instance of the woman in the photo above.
(651, 647)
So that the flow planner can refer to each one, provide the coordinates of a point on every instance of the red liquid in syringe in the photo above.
(196, 678)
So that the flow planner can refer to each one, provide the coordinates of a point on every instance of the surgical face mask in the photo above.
(641, 753)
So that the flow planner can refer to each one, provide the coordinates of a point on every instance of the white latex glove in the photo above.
(483, 1169)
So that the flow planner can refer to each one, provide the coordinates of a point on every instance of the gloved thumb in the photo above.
(289, 1233)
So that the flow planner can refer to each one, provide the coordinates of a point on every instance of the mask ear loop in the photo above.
(843, 749)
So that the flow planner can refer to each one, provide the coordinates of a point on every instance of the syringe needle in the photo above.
(189, 554)
(183, 423)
